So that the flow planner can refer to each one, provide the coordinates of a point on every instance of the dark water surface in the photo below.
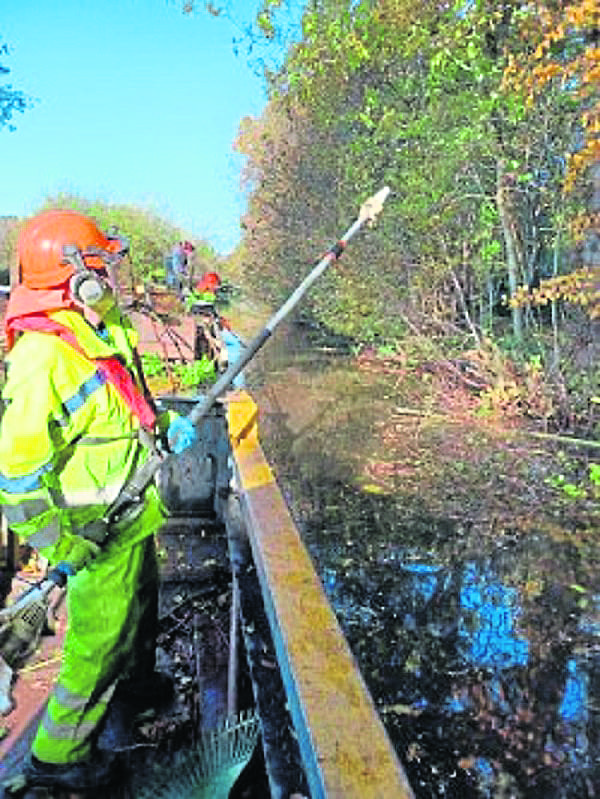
(482, 653)
(484, 673)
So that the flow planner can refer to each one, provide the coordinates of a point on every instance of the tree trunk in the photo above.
(554, 305)
(463, 304)
(509, 229)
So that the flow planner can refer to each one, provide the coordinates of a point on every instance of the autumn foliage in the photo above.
(565, 39)
(580, 287)
(483, 117)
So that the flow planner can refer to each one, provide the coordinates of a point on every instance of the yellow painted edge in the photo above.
(242, 416)
(242, 421)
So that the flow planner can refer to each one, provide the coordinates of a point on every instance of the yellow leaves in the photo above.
(591, 122)
(543, 74)
(575, 160)
(581, 15)
(577, 69)
(577, 163)
(578, 288)
(372, 488)
(592, 76)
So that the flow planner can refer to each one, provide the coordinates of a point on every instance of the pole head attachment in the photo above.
(372, 207)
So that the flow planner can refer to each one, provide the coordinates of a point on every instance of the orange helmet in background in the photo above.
(210, 281)
(42, 240)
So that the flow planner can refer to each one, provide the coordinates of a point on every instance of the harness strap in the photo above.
(111, 368)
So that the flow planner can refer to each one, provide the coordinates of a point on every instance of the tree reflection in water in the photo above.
(477, 653)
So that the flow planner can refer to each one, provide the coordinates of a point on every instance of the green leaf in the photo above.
(595, 473)
(573, 491)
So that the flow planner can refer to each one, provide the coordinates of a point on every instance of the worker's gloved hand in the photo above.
(74, 550)
(181, 434)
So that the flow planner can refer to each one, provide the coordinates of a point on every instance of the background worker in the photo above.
(177, 266)
(69, 441)
(206, 288)
(214, 340)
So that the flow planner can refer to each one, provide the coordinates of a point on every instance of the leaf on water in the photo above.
(401, 710)
(372, 488)
(579, 588)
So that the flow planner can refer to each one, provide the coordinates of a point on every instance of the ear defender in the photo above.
(87, 288)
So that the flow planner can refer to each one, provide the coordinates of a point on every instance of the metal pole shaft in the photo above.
(232, 670)
(201, 409)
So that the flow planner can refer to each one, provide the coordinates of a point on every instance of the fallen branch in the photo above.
(567, 440)
(576, 442)
(424, 414)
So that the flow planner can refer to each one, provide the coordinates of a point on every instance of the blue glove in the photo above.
(181, 434)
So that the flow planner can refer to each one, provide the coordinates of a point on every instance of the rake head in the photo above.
(209, 769)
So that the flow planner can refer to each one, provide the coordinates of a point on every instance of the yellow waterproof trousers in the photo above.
(111, 613)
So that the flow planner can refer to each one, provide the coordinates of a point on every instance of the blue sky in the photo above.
(134, 102)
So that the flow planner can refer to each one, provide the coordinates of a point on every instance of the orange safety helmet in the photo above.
(210, 281)
(41, 244)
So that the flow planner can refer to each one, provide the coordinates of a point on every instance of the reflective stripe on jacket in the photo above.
(68, 441)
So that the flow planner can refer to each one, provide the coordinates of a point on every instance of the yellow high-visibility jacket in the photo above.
(68, 440)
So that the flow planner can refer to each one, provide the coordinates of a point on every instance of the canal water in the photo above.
(481, 652)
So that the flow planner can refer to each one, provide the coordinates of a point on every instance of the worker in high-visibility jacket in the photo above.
(215, 345)
(75, 403)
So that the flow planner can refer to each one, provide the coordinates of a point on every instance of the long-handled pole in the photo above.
(133, 489)
(368, 212)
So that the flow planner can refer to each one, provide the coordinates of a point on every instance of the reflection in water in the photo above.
(484, 686)
(489, 636)
(573, 706)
